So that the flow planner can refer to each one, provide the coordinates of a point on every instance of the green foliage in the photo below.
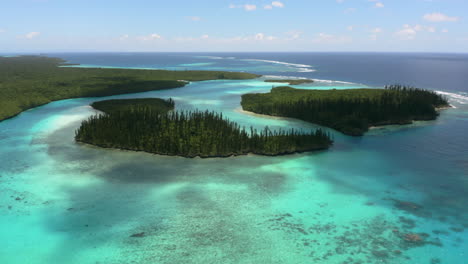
(291, 82)
(189, 134)
(30, 81)
(351, 111)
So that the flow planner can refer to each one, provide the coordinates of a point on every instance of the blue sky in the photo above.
(234, 25)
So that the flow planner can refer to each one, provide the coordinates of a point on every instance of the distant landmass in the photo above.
(30, 81)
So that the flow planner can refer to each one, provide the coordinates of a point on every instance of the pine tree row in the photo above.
(191, 134)
(353, 115)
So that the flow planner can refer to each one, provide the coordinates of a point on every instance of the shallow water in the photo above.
(62, 202)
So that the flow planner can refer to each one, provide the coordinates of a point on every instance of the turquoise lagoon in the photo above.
(63, 202)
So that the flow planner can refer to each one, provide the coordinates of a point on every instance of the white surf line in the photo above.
(332, 81)
(299, 67)
(210, 57)
(281, 62)
(304, 78)
(284, 77)
(461, 99)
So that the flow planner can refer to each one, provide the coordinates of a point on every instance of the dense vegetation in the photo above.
(189, 134)
(30, 81)
(291, 82)
(351, 111)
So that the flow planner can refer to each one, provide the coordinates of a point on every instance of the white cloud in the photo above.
(376, 30)
(331, 39)
(2, 30)
(277, 4)
(149, 37)
(204, 36)
(340, 1)
(273, 4)
(124, 37)
(248, 7)
(439, 17)
(406, 33)
(445, 30)
(252, 7)
(194, 18)
(262, 36)
(294, 34)
(379, 5)
(350, 28)
(32, 35)
(409, 32)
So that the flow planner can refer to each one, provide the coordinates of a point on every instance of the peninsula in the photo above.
(30, 81)
(149, 125)
(350, 111)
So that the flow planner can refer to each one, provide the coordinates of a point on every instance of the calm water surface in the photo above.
(359, 202)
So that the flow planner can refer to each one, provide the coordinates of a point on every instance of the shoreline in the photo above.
(372, 127)
(134, 81)
(232, 155)
(242, 111)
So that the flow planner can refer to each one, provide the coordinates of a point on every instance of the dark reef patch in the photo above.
(376, 240)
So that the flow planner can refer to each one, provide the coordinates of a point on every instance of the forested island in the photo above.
(30, 81)
(149, 125)
(350, 111)
(291, 82)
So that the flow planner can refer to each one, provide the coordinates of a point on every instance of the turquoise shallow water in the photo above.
(62, 202)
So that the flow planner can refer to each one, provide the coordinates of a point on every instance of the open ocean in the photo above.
(62, 202)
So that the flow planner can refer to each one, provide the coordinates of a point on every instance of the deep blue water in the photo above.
(351, 204)
(447, 72)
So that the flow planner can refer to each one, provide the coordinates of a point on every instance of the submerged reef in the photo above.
(373, 241)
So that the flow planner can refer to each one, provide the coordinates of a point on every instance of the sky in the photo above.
(234, 25)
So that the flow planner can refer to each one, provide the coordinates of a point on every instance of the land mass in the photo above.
(350, 111)
(30, 81)
(291, 82)
(149, 125)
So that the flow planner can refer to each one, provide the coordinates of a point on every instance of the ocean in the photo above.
(362, 201)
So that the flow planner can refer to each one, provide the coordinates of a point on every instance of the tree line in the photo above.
(191, 134)
(348, 113)
(30, 81)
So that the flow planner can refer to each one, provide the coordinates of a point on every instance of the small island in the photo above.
(150, 125)
(291, 81)
(30, 81)
(350, 111)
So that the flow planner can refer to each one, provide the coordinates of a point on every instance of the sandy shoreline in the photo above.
(242, 111)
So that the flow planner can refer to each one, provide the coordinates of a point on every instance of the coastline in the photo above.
(242, 111)
(231, 155)
(80, 83)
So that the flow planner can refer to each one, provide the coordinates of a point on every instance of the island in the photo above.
(30, 81)
(151, 125)
(291, 81)
(350, 111)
